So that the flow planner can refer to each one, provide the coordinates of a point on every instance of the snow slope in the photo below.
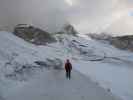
(108, 66)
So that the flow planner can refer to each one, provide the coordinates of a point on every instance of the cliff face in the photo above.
(123, 42)
(33, 35)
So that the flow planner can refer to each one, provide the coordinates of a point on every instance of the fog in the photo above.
(46, 14)
(111, 16)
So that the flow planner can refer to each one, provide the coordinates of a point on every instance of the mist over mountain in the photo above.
(123, 26)
(85, 15)
(44, 14)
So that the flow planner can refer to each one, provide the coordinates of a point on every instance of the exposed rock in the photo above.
(68, 29)
(51, 63)
(123, 42)
(101, 36)
(41, 63)
(33, 35)
(23, 72)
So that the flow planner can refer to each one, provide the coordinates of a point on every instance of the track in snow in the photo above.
(52, 85)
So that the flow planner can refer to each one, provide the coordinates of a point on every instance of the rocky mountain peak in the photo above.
(68, 29)
(33, 34)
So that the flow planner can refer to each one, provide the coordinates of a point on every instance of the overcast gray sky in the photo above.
(86, 15)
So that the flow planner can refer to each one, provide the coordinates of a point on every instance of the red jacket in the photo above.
(68, 66)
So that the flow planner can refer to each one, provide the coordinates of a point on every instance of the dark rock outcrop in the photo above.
(56, 64)
(33, 35)
(68, 29)
(123, 42)
(101, 36)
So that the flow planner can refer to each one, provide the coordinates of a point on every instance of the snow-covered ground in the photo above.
(52, 85)
(107, 66)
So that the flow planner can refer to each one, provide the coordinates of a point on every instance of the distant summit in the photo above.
(68, 29)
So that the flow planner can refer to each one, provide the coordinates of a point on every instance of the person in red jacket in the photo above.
(68, 68)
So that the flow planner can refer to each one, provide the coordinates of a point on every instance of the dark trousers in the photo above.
(68, 74)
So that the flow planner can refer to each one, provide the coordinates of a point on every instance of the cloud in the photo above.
(46, 14)
(131, 13)
(86, 15)
(97, 15)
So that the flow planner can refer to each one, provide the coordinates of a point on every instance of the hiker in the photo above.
(68, 68)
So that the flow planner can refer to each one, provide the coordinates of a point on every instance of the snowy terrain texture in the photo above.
(29, 72)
